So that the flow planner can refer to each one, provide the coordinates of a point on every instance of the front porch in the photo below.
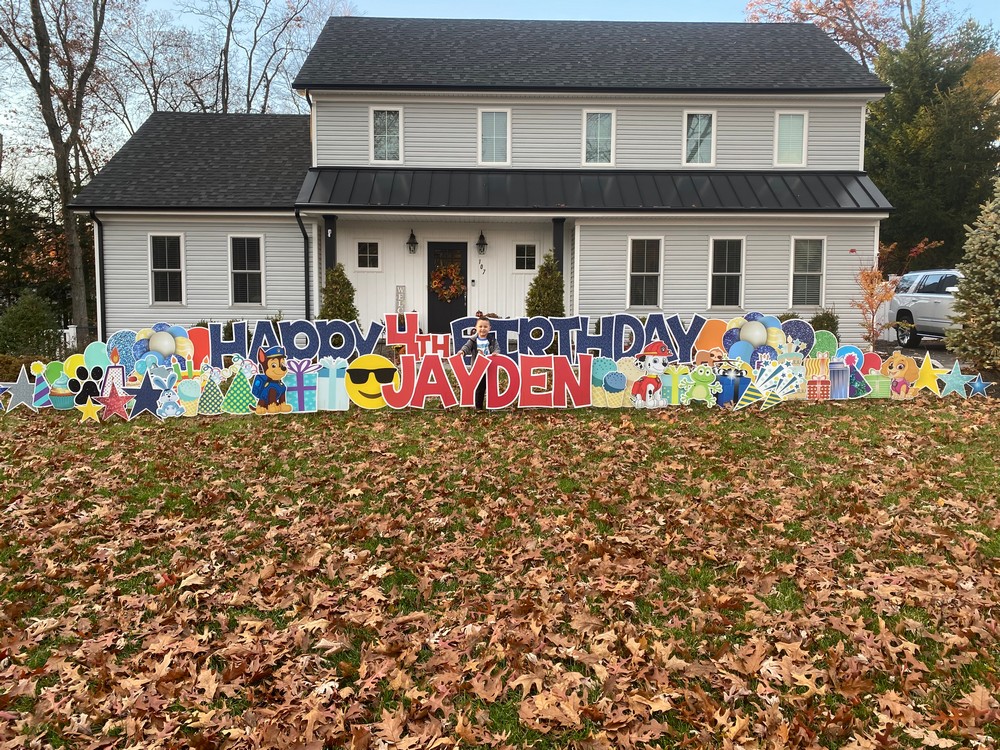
(390, 260)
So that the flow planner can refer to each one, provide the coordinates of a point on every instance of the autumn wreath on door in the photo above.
(447, 282)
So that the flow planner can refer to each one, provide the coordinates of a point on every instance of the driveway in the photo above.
(935, 348)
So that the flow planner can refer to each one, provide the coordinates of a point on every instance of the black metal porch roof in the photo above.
(588, 191)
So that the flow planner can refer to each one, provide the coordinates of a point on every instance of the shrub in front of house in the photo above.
(545, 294)
(338, 296)
(826, 320)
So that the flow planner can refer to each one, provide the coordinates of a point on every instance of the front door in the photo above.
(446, 263)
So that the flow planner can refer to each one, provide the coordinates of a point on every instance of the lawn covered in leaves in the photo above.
(812, 576)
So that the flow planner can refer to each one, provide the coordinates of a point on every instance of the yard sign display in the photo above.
(618, 361)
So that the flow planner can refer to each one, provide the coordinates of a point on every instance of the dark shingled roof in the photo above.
(580, 191)
(205, 161)
(413, 53)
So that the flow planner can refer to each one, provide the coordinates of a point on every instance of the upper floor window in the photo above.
(727, 272)
(246, 270)
(387, 135)
(494, 136)
(790, 129)
(598, 137)
(166, 264)
(644, 272)
(524, 257)
(807, 271)
(699, 138)
(368, 255)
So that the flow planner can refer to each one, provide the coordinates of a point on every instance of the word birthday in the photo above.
(616, 361)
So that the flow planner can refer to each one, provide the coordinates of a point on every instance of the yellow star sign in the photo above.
(928, 376)
(89, 410)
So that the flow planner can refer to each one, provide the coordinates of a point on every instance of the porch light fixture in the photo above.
(411, 244)
(481, 244)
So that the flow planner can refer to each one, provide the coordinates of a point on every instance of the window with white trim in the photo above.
(247, 270)
(494, 136)
(386, 135)
(790, 139)
(165, 268)
(727, 272)
(699, 138)
(524, 257)
(807, 272)
(644, 273)
(599, 135)
(368, 255)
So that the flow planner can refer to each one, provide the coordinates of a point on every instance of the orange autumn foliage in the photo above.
(876, 291)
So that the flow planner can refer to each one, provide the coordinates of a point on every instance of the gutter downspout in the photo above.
(102, 313)
(305, 256)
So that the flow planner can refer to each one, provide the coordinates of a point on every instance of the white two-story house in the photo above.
(684, 167)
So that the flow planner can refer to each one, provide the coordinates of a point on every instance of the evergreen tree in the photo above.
(932, 143)
(338, 296)
(545, 294)
(977, 302)
(30, 327)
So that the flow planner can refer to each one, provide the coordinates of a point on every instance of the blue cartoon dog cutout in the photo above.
(267, 386)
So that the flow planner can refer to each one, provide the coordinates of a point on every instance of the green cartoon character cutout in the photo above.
(700, 385)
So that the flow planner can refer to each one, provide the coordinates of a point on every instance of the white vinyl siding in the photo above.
(791, 136)
(833, 138)
(602, 264)
(206, 268)
(548, 135)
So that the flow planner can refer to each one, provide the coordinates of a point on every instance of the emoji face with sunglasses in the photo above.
(365, 377)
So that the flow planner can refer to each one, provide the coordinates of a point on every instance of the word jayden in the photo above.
(535, 381)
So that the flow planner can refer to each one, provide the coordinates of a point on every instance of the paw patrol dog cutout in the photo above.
(268, 386)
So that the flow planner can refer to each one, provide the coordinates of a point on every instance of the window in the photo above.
(166, 268)
(807, 272)
(598, 137)
(937, 283)
(247, 271)
(494, 136)
(699, 138)
(644, 273)
(948, 281)
(727, 270)
(387, 140)
(790, 139)
(524, 257)
(368, 255)
(906, 283)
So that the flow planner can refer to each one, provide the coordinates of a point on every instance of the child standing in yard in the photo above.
(481, 343)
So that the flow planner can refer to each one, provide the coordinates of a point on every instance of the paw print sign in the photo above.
(86, 384)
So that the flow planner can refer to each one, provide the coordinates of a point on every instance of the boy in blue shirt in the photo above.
(481, 343)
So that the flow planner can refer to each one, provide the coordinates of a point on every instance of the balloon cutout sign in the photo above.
(615, 362)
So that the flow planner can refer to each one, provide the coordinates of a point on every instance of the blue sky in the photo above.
(987, 11)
